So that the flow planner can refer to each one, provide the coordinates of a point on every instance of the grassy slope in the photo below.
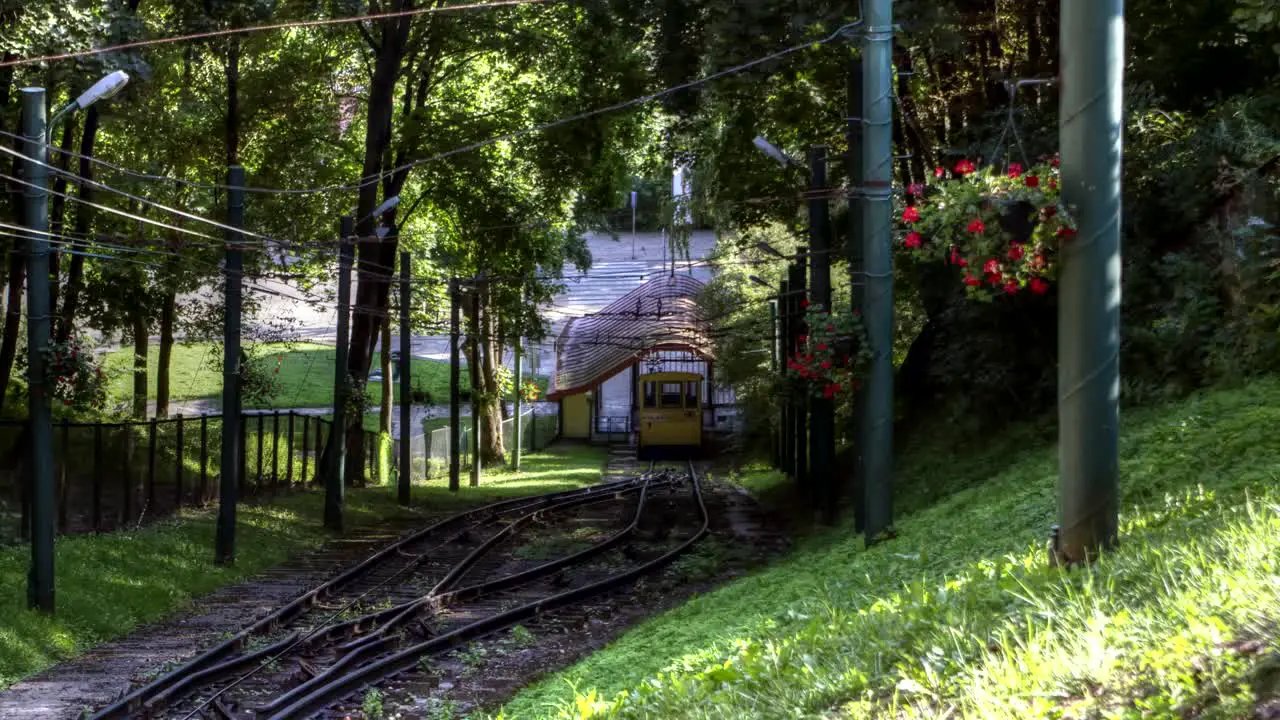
(109, 584)
(306, 375)
(960, 616)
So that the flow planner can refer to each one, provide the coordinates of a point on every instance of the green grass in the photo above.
(306, 375)
(109, 584)
(959, 616)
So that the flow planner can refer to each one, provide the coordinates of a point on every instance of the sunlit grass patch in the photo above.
(960, 615)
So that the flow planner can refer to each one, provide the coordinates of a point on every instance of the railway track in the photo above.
(425, 594)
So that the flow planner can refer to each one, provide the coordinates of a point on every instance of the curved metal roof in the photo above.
(662, 314)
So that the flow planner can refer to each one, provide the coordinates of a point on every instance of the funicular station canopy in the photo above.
(655, 323)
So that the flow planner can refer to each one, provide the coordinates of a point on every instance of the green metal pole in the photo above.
(1090, 134)
(36, 208)
(799, 401)
(822, 431)
(229, 480)
(455, 419)
(406, 387)
(857, 284)
(475, 405)
(335, 482)
(786, 348)
(518, 435)
(773, 368)
(877, 169)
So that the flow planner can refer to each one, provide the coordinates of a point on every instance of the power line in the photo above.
(274, 26)
(513, 135)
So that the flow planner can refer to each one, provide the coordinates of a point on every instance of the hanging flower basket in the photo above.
(529, 391)
(831, 360)
(76, 380)
(1000, 231)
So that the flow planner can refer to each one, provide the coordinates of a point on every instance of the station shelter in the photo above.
(657, 327)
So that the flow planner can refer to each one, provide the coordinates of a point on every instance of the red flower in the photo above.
(1066, 233)
(913, 240)
(977, 227)
(822, 347)
(66, 402)
(828, 391)
(857, 313)
(991, 266)
(915, 189)
(1053, 183)
(1056, 161)
(939, 172)
(1015, 170)
(994, 279)
(1032, 181)
(1038, 262)
(957, 259)
(804, 302)
(1016, 252)
(1011, 287)
(911, 215)
(963, 167)
(971, 281)
(831, 328)
(1038, 286)
(1049, 211)
(803, 339)
(808, 358)
(826, 364)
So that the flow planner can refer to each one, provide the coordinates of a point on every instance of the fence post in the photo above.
(62, 478)
(178, 470)
(275, 449)
(97, 477)
(204, 457)
(261, 419)
(288, 463)
(243, 475)
(127, 476)
(306, 435)
(151, 465)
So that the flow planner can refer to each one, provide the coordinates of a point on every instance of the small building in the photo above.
(657, 327)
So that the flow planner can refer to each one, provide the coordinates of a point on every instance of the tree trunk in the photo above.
(84, 217)
(13, 315)
(139, 365)
(373, 253)
(168, 311)
(491, 446)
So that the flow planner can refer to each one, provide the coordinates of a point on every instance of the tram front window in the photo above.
(691, 394)
(671, 395)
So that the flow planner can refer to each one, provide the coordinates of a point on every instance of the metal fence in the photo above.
(115, 475)
(431, 450)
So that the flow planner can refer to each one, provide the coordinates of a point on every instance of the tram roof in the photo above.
(662, 314)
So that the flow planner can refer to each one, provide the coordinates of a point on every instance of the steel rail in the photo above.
(407, 658)
(435, 600)
(131, 702)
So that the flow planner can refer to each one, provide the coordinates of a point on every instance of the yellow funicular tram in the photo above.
(670, 414)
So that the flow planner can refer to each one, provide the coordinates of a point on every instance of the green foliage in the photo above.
(961, 615)
(371, 706)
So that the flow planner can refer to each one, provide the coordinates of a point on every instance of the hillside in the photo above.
(959, 615)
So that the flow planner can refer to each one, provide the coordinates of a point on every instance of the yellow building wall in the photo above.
(576, 410)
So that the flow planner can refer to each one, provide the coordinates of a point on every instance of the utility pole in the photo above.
(774, 352)
(476, 371)
(857, 285)
(877, 169)
(822, 435)
(633, 224)
(335, 481)
(799, 400)
(232, 450)
(786, 446)
(1090, 134)
(36, 201)
(455, 419)
(406, 387)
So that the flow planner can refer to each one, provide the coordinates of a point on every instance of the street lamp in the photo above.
(36, 133)
(774, 152)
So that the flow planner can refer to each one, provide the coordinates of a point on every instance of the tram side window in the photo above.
(671, 395)
(691, 394)
(650, 394)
